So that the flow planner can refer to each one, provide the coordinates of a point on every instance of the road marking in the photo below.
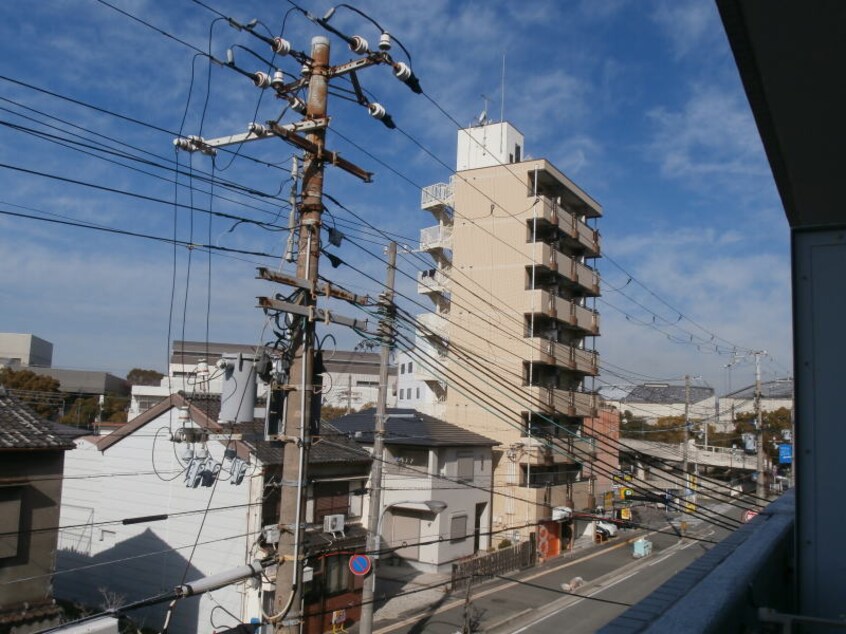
(614, 583)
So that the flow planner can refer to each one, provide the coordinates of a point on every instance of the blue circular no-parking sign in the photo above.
(360, 564)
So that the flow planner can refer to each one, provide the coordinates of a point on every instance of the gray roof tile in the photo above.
(409, 427)
(22, 428)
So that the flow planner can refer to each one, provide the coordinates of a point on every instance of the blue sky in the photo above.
(638, 102)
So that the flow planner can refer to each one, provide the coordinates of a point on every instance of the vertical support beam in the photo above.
(760, 488)
(373, 523)
(819, 303)
(298, 413)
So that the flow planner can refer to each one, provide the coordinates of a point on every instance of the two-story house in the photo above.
(429, 460)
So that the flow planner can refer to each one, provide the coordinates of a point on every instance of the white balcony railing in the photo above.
(437, 237)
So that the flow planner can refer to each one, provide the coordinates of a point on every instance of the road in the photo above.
(533, 602)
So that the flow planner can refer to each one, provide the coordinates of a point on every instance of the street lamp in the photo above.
(369, 588)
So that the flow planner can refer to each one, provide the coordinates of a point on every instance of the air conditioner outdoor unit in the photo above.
(333, 523)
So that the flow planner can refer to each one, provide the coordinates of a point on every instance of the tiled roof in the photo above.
(340, 449)
(409, 427)
(666, 394)
(22, 428)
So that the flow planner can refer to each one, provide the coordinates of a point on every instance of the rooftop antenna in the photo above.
(483, 118)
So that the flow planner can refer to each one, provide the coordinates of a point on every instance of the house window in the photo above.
(402, 368)
(400, 394)
(337, 577)
(10, 520)
(412, 458)
(410, 367)
(457, 528)
(408, 394)
(465, 465)
(418, 393)
(331, 498)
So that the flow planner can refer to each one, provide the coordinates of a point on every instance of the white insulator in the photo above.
(259, 130)
(278, 80)
(262, 80)
(305, 70)
(281, 46)
(377, 110)
(297, 105)
(358, 44)
(385, 41)
(402, 71)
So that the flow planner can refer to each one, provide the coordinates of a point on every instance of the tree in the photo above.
(38, 391)
(774, 424)
(137, 376)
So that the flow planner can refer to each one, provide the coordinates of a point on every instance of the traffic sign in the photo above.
(360, 565)
(785, 454)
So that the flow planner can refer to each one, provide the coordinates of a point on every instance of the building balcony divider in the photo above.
(565, 310)
(566, 402)
(564, 356)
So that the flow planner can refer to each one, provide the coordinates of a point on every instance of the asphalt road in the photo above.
(533, 602)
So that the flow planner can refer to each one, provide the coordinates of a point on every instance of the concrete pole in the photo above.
(288, 602)
(373, 516)
(760, 489)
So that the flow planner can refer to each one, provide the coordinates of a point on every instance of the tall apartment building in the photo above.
(514, 324)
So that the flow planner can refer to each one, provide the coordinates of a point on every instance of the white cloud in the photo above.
(689, 24)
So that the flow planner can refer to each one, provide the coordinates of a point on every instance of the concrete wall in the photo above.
(24, 350)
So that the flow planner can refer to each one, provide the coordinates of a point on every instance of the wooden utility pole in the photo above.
(297, 424)
(686, 432)
(386, 331)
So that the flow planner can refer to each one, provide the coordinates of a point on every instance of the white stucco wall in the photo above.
(153, 555)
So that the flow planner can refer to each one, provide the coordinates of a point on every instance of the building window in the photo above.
(465, 465)
(331, 498)
(337, 577)
(457, 528)
(367, 383)
(418, 393)
(402, 368)
(400, 394)
(412, 457)
(410, 367)
(10, 520)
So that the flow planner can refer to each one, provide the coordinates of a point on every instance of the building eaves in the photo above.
(409, 427)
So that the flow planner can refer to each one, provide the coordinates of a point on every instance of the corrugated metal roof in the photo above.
(777, 389)
(22, 428)
(409, 427)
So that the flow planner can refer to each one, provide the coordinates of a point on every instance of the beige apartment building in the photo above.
(514, 321)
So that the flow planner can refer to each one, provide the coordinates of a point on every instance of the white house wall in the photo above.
(153, 554)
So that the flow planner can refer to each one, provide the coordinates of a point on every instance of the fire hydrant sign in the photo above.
(360, 565)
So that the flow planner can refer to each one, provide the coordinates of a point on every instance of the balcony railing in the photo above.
(432, 281)
(568, 449)
(565, 310)
(432, 324)
(437, 197)
(562, 355)
(550, 212)
(546, 255)
(437, 237)
(567, 402)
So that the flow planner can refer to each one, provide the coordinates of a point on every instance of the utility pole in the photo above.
(760, 489)
(686, 431)
(297, 423)
(386, 330)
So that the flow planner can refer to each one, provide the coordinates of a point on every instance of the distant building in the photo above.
(652, 401)
(24, 351)
(774, 395)
(351, 379)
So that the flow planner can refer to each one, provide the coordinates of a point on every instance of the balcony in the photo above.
(567, 402)
(564, 310)
(438, 199)
(432, 325)
(427, 374)
(547, 256)
(437, 237)
(564, 356)
(432, 281)
(548, 450)
(550, 213)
